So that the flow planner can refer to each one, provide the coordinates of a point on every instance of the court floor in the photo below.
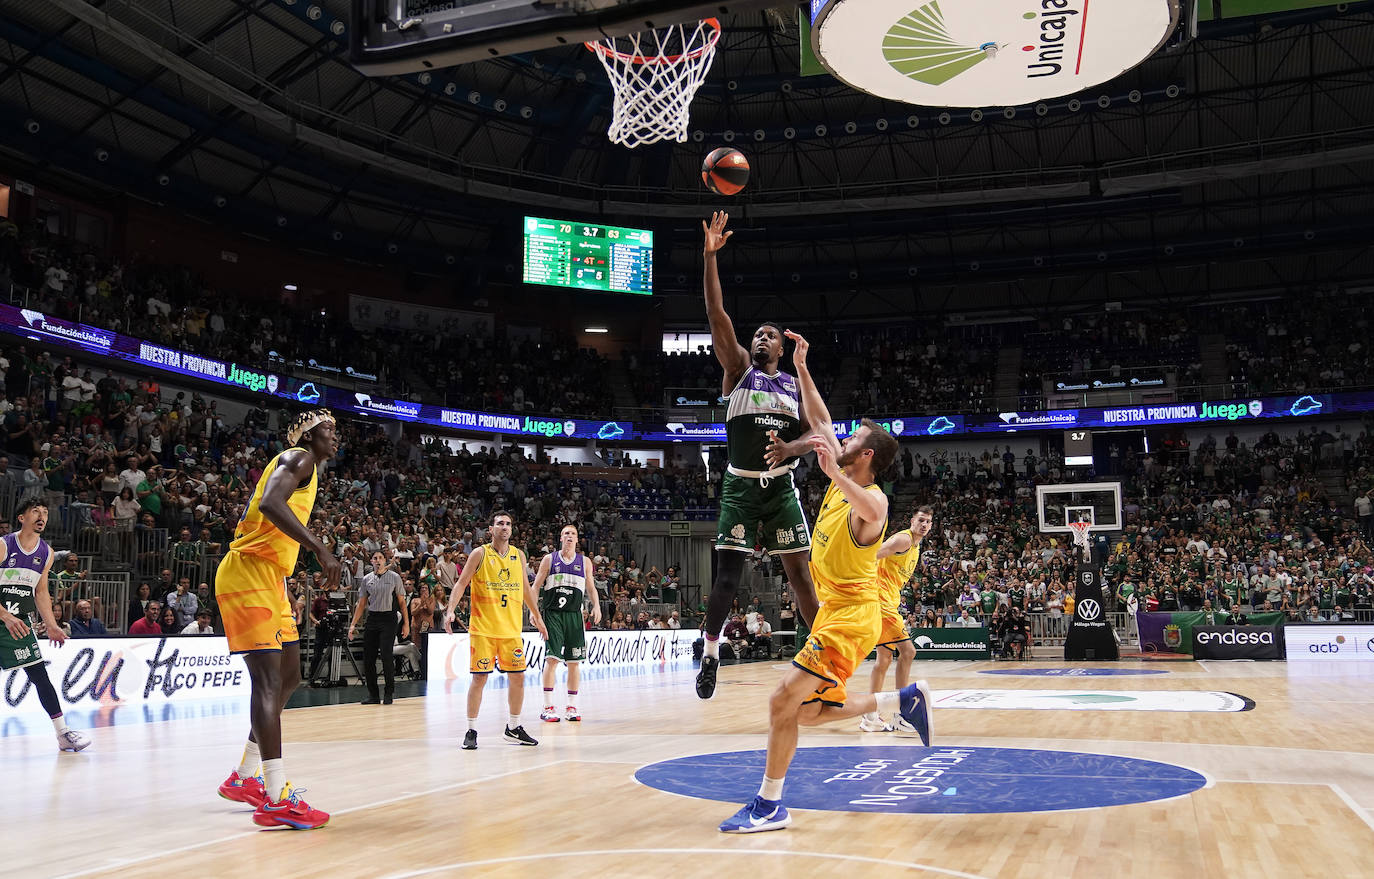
(1283, 759)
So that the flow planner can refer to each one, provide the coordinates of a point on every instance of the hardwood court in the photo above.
(1291, 789)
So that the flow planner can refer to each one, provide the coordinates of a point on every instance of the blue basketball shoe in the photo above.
(915, 708)
(758, 816)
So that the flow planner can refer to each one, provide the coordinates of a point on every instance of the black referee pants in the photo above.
(378, 637)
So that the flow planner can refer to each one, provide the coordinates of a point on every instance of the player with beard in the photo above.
(250, 586)
(764, 404)
(844, 566)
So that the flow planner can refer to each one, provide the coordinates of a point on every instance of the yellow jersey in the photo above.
(498, 594)
(894, 571)
(843, 571)
(257, 536)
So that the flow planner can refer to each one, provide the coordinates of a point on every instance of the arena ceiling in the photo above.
(1237, 162)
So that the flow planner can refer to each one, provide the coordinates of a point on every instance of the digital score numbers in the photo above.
(1078, 448)
(565, 253)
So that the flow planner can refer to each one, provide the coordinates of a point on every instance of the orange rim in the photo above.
(627, 58)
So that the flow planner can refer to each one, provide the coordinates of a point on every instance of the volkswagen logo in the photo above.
(1089, 609)
(1369, 645)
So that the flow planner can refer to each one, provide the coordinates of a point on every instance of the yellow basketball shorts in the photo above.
(501, 654)
(893, 628)
(251, 593)
(843, 636)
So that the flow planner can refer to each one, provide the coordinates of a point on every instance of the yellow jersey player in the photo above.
(497, 573)
(250, 586)
(897, 560)
(844, 567)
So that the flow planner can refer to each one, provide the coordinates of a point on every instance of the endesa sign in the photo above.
(1238, 642)
(1329, 642)
(108, 672)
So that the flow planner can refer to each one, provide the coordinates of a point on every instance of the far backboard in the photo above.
(1096, 502)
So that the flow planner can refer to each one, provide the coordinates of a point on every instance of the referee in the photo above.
(379, 594)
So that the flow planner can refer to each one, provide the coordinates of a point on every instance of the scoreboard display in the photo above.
(586, 256)
(1078, 448)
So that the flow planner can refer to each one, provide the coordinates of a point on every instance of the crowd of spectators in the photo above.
(923, 369)
(1297, 344)
(1107, 346)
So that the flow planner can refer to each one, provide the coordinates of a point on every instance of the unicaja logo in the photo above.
(920, 47)
(984, 53)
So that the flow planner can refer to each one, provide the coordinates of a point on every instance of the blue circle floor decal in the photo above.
(1073, 672)
(929, 780)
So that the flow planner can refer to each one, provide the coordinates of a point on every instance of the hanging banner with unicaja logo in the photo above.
(981, 53)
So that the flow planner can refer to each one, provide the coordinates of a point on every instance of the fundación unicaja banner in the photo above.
(970, 643)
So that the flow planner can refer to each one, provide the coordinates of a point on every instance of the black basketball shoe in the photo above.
(519, 736)
(470, 740)
(706, 678)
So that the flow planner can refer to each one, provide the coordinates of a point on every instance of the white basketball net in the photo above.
(1080, 532)
(655, 75)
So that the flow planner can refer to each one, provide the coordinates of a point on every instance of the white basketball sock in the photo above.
(712, 647)
(274, 780)
(59, 724)
(252, 758)
(771, 789)
(888, 702)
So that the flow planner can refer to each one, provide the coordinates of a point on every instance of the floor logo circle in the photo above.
(929, 780)
(1074, 672)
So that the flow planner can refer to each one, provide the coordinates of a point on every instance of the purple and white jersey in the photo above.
(19, 575)
(759, 403)
(565, 587)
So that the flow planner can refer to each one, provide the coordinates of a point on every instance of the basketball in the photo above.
(725, 171)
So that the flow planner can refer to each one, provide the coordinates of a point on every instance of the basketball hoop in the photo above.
(655, 75)
(1080, 533)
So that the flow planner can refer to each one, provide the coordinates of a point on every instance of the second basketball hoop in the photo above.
(655, 74)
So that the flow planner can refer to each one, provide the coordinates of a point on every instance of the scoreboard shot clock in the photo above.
(1078, 448)
(588, 256)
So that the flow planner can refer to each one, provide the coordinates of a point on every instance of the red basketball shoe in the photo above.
(244, 790)
(292, 812)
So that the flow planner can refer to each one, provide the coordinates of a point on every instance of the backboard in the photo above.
(389, 37)
(1098, 503)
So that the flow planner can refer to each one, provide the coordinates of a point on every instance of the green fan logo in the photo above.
(919, 47)
(1090, 698)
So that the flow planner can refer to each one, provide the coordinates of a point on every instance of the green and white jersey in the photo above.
(759, 403)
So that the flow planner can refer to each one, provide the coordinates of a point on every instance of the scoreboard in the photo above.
(1078, 448)
(586, 256)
